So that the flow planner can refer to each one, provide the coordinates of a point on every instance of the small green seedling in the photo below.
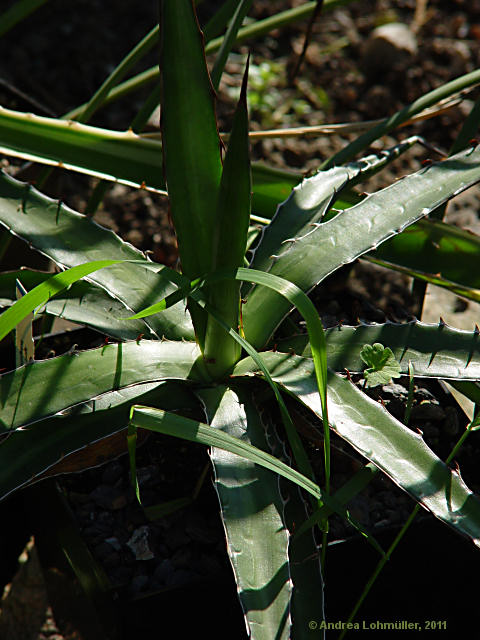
(382, 365)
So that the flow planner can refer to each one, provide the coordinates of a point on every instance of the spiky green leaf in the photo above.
(432, 247)
(435, 351)
(30, 452)
(252, 506)
(43, 388)
(317, 251)
(390, 445)
(70, 239)
(83, 303)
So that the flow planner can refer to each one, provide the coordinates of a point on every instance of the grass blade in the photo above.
(136, 54)
(17, 12)
(180, 427)
(425, 101)
(24, 348)
(229, 38)
(219, 20)
(83, 303)
(44, 291)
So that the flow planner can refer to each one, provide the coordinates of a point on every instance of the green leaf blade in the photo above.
(230, 240)
(191, 144)
(70, 239)
(435, 351)
(252, 506)
(18, 12)
(110, 155)
(435, 248)
(307, 259)
(83, 303)
(44, 291)
(43, 388)
(30, 452)
(390, 445)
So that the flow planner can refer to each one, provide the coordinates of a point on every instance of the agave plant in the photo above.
(195, 352)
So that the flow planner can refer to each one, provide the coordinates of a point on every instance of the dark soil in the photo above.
(58, 61)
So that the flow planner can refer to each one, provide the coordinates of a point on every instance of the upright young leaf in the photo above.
(230, 239)
(243, 7)
(191, 145)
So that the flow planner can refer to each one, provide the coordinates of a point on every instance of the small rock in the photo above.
(114, 543)
(113, 560)
(78, 498)
(92, 531)
(424, 394)
(394, 390)
(387, 46)
(393, 515)
(177, 536)
(207, 565)
(121, 575)
(103, 550)
(358, 508)
(383, 523)
(146, 474)
(134, 514)
(396, 408)
(182, 558)
(430, 431)
(139, 544)
(388, 498)
(333, 307)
